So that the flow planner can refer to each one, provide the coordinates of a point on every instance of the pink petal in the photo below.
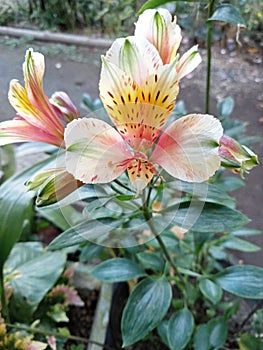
(188, 149)
(19, 130)
(33, 69)
(96, 153)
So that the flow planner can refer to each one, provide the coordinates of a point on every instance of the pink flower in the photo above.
(138, 91)
(236, 157)
(37, 118)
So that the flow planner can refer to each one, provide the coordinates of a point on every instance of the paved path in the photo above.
(234, 77)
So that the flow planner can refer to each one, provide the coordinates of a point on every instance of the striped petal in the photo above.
(33, 69)
(188, 149)
(19, 130)
(188, 62)
(139, 112)
(158, 27)
(135, 56)
(96, 153)
(140, 172)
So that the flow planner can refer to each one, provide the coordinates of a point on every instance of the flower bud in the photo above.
(236, 157)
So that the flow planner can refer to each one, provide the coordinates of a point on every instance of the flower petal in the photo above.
(158, 27)
(188, 149)
(96, 153)
(140, 173)
(64, 107)
(19, 130)
(188, 62)
(33, 69)
(139, 112)
(135, 56)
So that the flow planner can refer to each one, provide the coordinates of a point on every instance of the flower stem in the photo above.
(148, 218)
(4, 309)
(209, 56)
(57, 335)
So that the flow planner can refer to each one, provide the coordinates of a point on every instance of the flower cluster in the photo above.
(138, 85)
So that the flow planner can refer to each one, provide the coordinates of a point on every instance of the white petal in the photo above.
(135, 56)
(96, 153)
(188, 149)
(188, 62)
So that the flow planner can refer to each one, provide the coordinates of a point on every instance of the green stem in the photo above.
(209, 56)
(4, 310)
(57, 335)
(148, 218)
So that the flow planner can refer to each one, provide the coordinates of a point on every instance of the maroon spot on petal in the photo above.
(110, 94)
(157, 95)
(94, 178)
(156, 78)
(123, 101)
(165, 98)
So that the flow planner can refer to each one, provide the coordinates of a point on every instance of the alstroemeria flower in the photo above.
(160, 29)
(139, 93)
(236, 157)
(187, 150)
(37, 119)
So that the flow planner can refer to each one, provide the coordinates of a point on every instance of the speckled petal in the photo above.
(96, 153)
(188, 149)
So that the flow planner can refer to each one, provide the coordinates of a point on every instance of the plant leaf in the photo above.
(236, 243)
(217, 329)
(15, 202)
(87, 230)
(211, 290)
(248, 342)
(208, 221)
(229, 14)
(243, 280)
(150, 4)
(225, 107)
(201, 338)
(180, 329)
(146, 307)
(33, 279)
(117, 270)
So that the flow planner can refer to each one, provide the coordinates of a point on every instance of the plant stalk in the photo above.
(57, 335)
(209, 55)
(4, 309)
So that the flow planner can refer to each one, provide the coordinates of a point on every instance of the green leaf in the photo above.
(146, 307)
(210, 290)
(236, 243)
(32, 279)
(15, 204)
(150, 4)
(243, 280)
(230, 183)
(217, 329)
(88, 230)
(229, 14)
(180, 329)
(117, 270)
(225, 107)
(210, 218)
(248, 342)
(201, 338)
(246, 231)
(162, 330)
(151, 261)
